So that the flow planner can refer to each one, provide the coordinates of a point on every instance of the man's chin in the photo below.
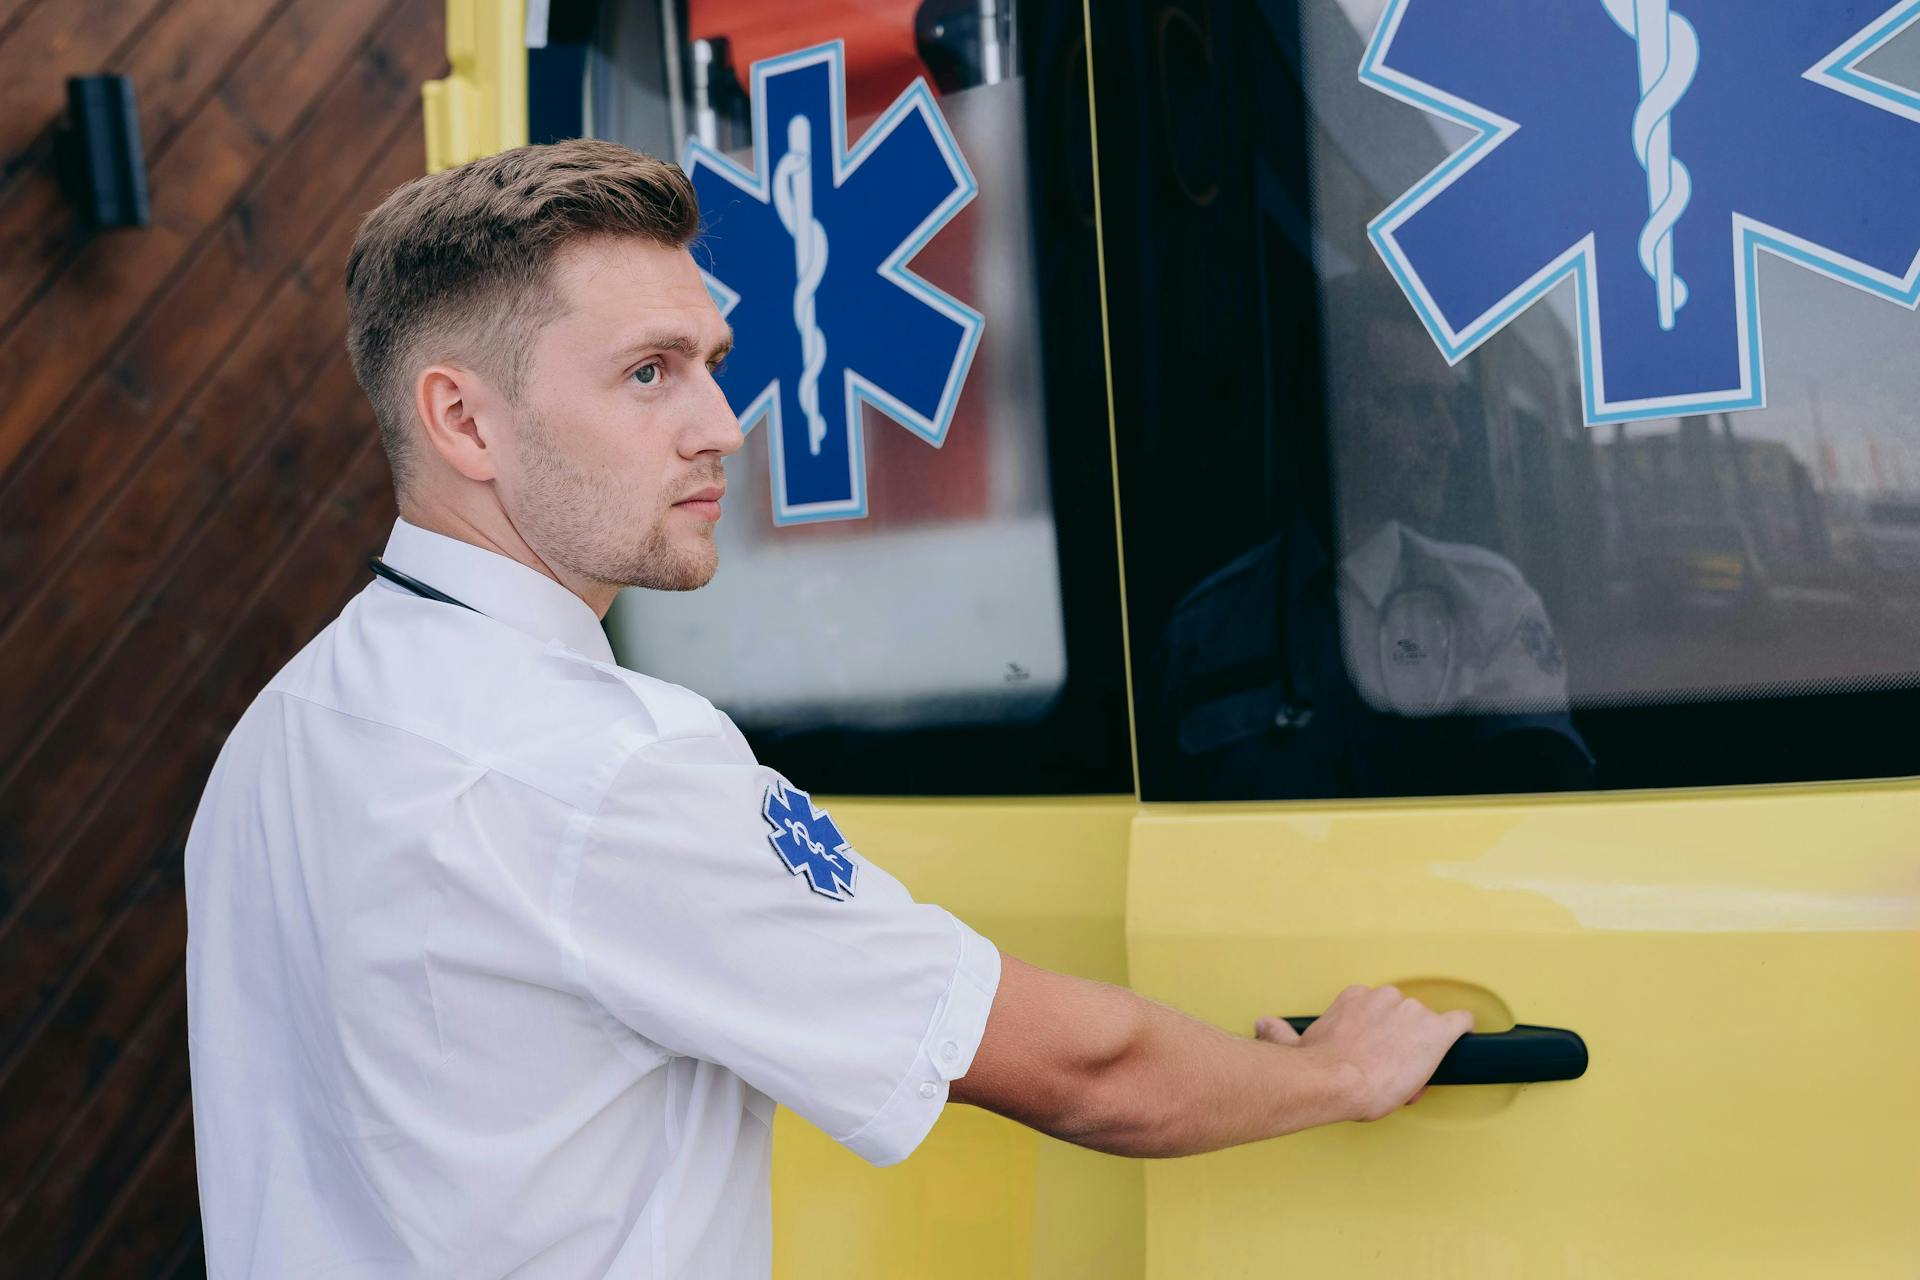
(689, 574)
(695, 581)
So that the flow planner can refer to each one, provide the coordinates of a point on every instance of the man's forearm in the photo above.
(1182, 1087)
(1100, 1066)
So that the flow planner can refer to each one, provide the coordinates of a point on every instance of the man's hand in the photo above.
(1386, 1043)
(1099, 1066)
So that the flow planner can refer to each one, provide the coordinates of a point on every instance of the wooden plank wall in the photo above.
(189, 483)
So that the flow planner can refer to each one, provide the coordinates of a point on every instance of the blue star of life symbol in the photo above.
(808, 842)
(1651, 149)
(809, 254)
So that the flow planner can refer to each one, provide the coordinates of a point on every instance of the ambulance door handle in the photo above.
(1524, 1055)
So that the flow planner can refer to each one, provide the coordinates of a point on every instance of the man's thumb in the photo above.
(1275, 1031)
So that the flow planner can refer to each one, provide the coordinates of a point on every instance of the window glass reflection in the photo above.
(1444, 581)
(943, 605)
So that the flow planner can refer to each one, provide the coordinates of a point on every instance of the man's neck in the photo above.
(494, 531)
(1359, 527)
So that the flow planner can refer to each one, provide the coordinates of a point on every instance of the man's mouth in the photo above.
(703, 502)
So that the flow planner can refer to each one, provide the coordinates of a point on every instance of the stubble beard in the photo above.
(583, 519)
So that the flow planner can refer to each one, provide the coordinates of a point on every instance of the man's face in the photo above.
(619, 429)
(1399, 430)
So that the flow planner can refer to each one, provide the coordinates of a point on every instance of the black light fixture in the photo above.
(104, 167)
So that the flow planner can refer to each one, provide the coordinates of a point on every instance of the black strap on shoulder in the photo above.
(384, 570)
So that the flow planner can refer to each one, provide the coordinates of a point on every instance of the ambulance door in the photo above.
(1508, 623)
(916, 617)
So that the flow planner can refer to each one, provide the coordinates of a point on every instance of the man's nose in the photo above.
(1442, 428)
(717, 428)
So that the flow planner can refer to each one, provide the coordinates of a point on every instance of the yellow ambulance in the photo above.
(1250, 496)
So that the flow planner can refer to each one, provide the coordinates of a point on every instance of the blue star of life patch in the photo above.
(808, 263)
(808, 842)
(1650, 149)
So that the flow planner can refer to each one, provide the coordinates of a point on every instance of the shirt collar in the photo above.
(1373, 565)
(498, 586)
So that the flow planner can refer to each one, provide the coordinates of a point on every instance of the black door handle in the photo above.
(1523, 1055)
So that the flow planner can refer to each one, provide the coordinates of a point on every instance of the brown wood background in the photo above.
(189, 481)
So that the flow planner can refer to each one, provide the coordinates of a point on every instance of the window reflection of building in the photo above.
(1703, 513)
(1719, 591)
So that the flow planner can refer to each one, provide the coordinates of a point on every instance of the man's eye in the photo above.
(647, 375)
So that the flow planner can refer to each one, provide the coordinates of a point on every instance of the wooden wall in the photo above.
(189, 483)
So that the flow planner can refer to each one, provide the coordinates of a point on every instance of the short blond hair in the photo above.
(454, 265)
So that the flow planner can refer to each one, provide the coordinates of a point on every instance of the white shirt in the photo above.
(500, 956)
(1472, 635)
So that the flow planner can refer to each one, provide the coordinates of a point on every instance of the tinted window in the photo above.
(1357, 569)
(949, 624)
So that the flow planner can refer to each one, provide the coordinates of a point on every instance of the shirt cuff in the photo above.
(944, 1056)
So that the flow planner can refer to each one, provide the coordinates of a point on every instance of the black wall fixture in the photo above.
(104, 167)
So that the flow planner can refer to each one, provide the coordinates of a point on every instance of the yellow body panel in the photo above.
(1743, 964)
(1047, 881)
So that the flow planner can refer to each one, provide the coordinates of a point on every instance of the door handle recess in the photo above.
(1524, 1055)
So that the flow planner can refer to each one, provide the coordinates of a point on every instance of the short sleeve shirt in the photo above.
(1487, 647)
(500, 957)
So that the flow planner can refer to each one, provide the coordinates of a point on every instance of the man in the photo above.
(1429, 626)
(492, 966)
(1408, 666)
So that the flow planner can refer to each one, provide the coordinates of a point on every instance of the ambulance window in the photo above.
(918, 590)
(1359, 564)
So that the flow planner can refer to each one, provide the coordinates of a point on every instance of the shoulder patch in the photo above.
(1538, 640)
(808, 842)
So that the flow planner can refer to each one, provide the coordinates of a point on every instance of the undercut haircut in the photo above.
(454, 267)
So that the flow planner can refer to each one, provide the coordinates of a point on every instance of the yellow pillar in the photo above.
(481, 107)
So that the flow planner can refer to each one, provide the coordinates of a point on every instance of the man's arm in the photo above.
(1099, 1066)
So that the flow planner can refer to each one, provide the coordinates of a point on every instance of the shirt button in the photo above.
(928, 1088)
(949, 1051)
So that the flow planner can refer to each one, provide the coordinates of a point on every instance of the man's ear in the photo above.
(458, 411)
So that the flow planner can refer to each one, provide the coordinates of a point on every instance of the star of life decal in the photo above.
(1651, 150)
(808, 256)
